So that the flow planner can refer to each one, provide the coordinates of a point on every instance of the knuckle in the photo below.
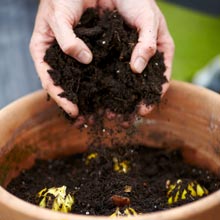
(67, 48)
(58, 16)
(150, 16)
(142, 18)
(46, 85)
(34, 45)
(151, 49)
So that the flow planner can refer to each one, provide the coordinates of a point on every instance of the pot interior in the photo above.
(187, 118)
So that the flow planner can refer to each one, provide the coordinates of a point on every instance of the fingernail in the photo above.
(84, 57)
(139, 64)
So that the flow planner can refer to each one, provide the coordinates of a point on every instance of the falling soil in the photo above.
(103, 179)
(107, 82)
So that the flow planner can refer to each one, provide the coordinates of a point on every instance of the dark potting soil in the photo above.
(107, 82)
(99, 185)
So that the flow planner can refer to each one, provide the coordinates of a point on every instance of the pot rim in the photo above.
(14, 203)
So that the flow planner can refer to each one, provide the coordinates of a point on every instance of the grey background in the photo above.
(211, 7)
(17, 72)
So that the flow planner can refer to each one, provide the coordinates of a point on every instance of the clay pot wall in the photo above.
(188, 117)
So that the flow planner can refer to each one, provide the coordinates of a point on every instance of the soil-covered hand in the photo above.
(150, 23)
(55, 19)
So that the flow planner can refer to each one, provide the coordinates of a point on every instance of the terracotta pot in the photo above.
(188, 117)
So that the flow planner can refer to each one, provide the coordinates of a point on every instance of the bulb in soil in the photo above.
(91, 157)
(126, 212)
(128, 189)
(121, 167)
(183, 189)
(55, 198)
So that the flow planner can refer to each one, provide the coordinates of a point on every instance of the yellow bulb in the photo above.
(90, 157)
(127, 212)
(121, 167)
(55, 198)
(183, 196)
(42, 192)
(130, 211)
(170, 200)
(177, 192)
(116, 213)
(200, 190)
(191, 189)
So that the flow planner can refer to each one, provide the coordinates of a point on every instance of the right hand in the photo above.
(55, 20)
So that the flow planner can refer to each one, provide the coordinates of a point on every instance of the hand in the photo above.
(55, 19)
(147, 18)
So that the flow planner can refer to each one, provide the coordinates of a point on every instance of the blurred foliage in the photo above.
(196, 36)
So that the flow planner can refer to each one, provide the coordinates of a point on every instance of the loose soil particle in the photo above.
(98, 189)
(107, 82)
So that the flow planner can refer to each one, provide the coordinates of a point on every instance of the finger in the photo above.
(103, 4)
(69, 43)
(80, 121)
(126, 124)
(166, 45)
(109, 114)
(54, 91)
(91, 120)
(128, 121)
(144, 110)
(37, 48)
(147, 42)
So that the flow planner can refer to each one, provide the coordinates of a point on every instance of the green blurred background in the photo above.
(196, 35)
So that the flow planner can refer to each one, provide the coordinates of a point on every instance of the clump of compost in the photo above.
(107, 82)
(127, 180)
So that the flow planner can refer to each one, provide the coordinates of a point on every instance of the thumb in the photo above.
(147, 41)
(69, 43)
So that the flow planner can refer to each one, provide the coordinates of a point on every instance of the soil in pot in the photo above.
(125, 180)
(107, 82)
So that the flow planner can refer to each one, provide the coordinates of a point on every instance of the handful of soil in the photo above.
(107, 82)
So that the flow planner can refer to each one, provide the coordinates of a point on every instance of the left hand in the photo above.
(154, 35)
